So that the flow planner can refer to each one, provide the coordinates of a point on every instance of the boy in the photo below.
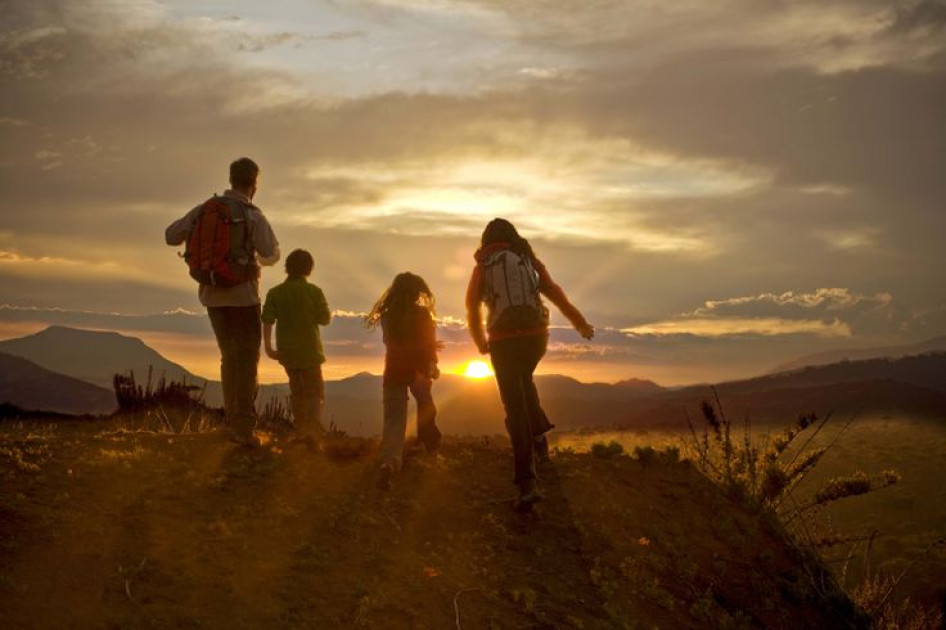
(298, 308)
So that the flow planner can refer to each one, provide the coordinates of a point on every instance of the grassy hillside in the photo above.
(138, 530)
(893, 528)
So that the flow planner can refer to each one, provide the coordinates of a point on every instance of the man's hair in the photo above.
(243, 173)
(299, 263)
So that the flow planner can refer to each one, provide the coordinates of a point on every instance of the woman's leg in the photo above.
(511, 377)
(532, 353)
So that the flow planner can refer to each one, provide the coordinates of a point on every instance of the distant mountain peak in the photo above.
(94, 356)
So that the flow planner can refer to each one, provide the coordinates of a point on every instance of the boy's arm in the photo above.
(268, 342)
(269, 317)
(322, 313)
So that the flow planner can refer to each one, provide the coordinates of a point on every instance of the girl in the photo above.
(508, 278)
(405, 314)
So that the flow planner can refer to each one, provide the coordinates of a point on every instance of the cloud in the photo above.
(827, 301)
(697, 150)
(756, 326)
(822, 313)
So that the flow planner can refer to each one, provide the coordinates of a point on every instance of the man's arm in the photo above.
(177, 232)
(264, 241)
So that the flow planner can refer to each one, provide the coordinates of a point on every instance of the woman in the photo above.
(508, 279)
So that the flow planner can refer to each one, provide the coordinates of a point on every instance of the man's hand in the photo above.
(272, 354)
(483, 347)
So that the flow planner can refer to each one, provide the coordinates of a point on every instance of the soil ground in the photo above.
(105, 529)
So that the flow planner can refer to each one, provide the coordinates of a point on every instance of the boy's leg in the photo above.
(427, 431)
(318, 400)
(395, 425)
(297, 399)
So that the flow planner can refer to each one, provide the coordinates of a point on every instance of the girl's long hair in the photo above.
(502, 231)
(396, 304)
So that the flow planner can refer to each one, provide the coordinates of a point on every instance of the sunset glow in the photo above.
(706, 181)
(477, 369)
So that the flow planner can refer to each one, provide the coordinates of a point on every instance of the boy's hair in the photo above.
(243, 173)
(396, 304)
(299, 263)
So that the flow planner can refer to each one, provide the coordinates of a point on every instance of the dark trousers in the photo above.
(307, 396)
(239, 334)
(514, 361)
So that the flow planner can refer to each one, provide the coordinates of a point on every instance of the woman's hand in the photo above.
(272, 354)
(586, 330)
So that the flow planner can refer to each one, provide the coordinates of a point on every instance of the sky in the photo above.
(719, 187)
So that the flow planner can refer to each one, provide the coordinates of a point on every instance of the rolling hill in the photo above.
(121, 530)
(29, 386)
(93, 356)
(912, 384)
(937, 344)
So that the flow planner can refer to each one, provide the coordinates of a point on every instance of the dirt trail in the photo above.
(144, 530)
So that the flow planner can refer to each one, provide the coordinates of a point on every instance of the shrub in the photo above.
(607, 451)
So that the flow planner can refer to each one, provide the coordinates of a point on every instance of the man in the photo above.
(234, 311)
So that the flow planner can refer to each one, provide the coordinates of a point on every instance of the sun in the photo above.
(477, 369)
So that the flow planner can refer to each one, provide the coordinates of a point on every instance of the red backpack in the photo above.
(218, 251)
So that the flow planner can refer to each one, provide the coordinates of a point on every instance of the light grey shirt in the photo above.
(265, 247)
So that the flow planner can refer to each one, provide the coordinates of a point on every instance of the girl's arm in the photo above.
(556, 295)
(474, 314)
(429, 344)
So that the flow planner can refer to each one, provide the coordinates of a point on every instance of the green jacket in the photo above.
(298, 309)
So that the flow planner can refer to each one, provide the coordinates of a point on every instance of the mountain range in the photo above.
(70, 370)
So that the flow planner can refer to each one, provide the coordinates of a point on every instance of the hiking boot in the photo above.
(307, 441)
(242, 439)
(384, 478)
(540, 448)
(528, 496)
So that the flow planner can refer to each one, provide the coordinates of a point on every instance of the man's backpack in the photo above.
(218, 251)
(511, 293)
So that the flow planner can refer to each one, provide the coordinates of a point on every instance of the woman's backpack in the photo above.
(511, 293)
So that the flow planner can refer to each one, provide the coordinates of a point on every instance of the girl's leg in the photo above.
(395, 425)
(427, 431)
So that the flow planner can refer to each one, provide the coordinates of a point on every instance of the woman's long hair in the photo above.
(502, 231)
(396, 304)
